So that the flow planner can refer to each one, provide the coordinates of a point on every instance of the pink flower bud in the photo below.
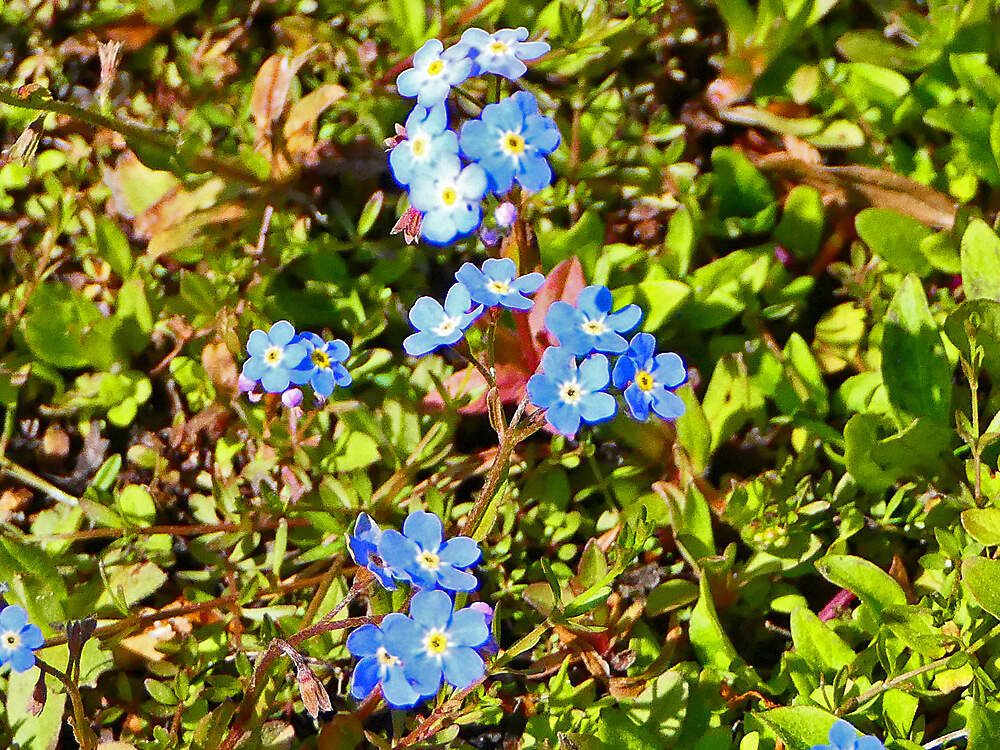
(506, 214)
(292, 397)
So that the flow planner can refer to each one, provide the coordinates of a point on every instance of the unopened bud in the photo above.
(314, 695)
(409, 224)
(109, 54)
(292, 397)
(505, 214)
(36, 703)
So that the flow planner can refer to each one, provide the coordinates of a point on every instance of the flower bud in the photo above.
(292, 397)
(505, 214)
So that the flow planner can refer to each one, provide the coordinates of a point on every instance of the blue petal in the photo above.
(594, 301)
(559, 363)
(542, 134)
(365, 641)
(397, 690)
(641, 348)
(365, 678)
(598, 407)
(461, 551)
(31, 637)
(468, 628)
(526, 104)
(424, 673)
(543, 391)
(438, 227)
(534, 173)
(322, 382)
(403, 637)
(624, 372)
(509, 67)
(626, 319)
(670, 370)
(429, 52)
(668, 405)
(842, 733)
(257, 343)
(867, 743)
(458, 300)
(425, 529)
(463, 666)
(531, 50)
(275, 380)
(397, 551)
(452, 579)
(529, 283)
(501, 269)
(594, 372)
(565, 418)
(562, 319)
(401, 163)
(281, 333)
(516, 301)
(431, 609)
(476, 38)
(419, 344)
(512, 36)
(426, 313)
(609, 342)
(476, 139)
(341, 375)
(471, 183)
(13, 618)
(638, 402)
(254, 368)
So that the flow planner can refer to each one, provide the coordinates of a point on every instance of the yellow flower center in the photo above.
(571, 392)
(594, 327)
(498, 287)
(512, 143)
(273, 355)
(498, 48)
(449, 195)
(320, 359)
(429, 560)
(644, 380)
(437, 643)
(446, 326)
(385, 658)
(419, 145)
(435, 68)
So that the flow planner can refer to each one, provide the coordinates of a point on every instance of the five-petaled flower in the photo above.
(843, 736)
(427, 559)
(322, 364)
(380, 664)
(449, 200)
(590, 326)
(647, 378)
(436, 642)
(273, 356)
(438, 325)
(363, 545)
(572, 394)
(511, 140)
(498, 284)
(428, 145)
(502, 52)
(435, 70)
(18, 639)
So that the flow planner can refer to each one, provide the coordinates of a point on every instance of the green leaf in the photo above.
(160, 692)
(57, 324)
(660, 300)
(818, 644)
(693, 430)
(914, 365)
(738, 187)
(370, 213)
(799, 727)
(708, 638)
(984, 728)
(137, 505)
(801, 227)
(981, 575)
(36, 732)
(113, 246)
(895, 238)
(864, 579)
(982, 524)
(982, 318)
(671, 595)
(584, 240)
(980, 262)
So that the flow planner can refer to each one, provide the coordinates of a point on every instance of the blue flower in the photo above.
(322, 366)
(449, 200)
(439, 326)
(511, 141)
(435, 70)
(18, 639)
(591, 326)
(427, 559)
(502, 52)
(649, 376)
(499, 284)
(380, 664)
(363, 545)
(427, 146)
(435, 642)
(273, 356)
(843, 736)
(571, 393)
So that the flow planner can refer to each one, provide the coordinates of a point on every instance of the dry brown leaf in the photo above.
(300, 127)
(219, 364)
(270, 93)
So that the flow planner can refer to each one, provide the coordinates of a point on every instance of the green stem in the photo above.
(81, 728)
(31, 479)
(866, 696)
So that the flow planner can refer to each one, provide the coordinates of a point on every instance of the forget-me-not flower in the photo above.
(843, 736)
(590, 326)
(380, 664)
(498, 284)
(273, 356)
(511, 140)
(436, 642)
(18, 639)
(363, 545)
(435, 70)
(572, 394)
(427, 559)
(503, 51)
(438, 325)
(648, 378)
(428, 145)
(322, 366)
(449, 199)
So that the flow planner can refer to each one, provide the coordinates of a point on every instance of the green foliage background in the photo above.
(802, 195)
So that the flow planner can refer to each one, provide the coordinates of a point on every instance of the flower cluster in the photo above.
(18, 639)
(843, 736)
(508, 143)
(281, 360)
(411, 655)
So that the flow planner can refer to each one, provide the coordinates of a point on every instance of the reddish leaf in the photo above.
(564, 282)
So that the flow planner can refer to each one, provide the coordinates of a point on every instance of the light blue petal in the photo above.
(670, 370)
(257, 343)
(429, 52)
(421, 343)
(668, 405)
(565, 418)
(508, 66)
(842, 733)
(403, 637)
(365, 678)
(438, 227)
(534, 173)
(562, 320)
(531, 50)
(868, 743)
(31, 637)
(432, 609)
(594, 301)
(598, 407)
(468, 628)
(624, 372)
(543, 391)
(461, 551)
(275, 380)
(254, 368)
(365, 641)
(397, 690)
(424, 673)
(22, 659)
(281, 333)
(425, 529)
(542, 134)
(594, 374)
(458, 300)
(529, 283)
(512, 36)
(638, 402)
(452, 579)
(476, 38)
(515, 301)
(397, 551)
(401, 163)
(471, 183)
(559, 363)
(322, 382)
(426, 313)
(609, 342)
(462, 667)
(641, 348)
(626, 319)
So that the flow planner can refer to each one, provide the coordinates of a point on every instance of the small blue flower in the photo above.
(570, 393)
(363, 545)
(511, 140)
(435, 70)
(591, 326)
(498, 284)
(649, 378)
(449, 200)
(435, 642)
(18, 639)
(502, 52)
(322, 366)
(380, 664)
(427, 559)
(843, 736)
(428, 145)
(439, 326)
(273, 356)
